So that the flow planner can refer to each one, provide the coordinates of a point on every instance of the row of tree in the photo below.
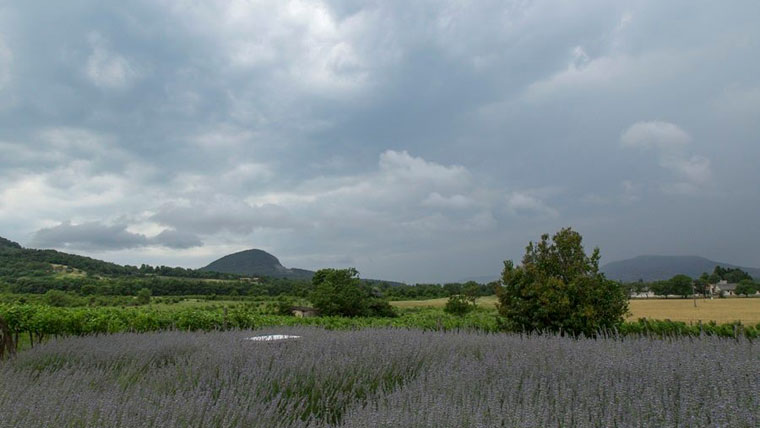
(685, 286)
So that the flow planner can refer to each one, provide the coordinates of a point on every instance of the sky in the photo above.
(416, 141)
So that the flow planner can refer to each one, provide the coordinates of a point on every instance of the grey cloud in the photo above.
(224, 214)
(6, 58)
(174, 239)
(94, 236)
(693, 172)
(88, 236)
(411, 136)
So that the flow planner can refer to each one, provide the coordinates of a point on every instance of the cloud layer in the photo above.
(424, 141)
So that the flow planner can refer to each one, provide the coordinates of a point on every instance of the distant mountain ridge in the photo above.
(656, 268)
(256, 262)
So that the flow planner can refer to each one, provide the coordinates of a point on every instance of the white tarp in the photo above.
(271, 337)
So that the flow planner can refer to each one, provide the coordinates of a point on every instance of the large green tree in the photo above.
(746, 287)
(559, 288)
(340, 292)
(681, 285)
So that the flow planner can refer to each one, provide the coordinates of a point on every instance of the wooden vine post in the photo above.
(6, 340)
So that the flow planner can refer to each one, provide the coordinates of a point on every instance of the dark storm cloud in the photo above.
(421, 141)
(88, 236)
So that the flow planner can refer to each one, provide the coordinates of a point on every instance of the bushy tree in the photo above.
(746, 287)
(681, 285)
(559, 288)
(340, 292)
(731, 275)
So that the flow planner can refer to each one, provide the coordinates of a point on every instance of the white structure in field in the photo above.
(271, 337)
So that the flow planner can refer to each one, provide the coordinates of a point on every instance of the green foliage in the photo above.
(459, 304)
(58, 298)
(143, 296)
(559, 288)
(379, 307)
(340, 292)
(746, 287)
(284, 304)
(731, 275)
(680, 285)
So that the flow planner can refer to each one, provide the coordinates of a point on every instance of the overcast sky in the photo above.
(416, 141)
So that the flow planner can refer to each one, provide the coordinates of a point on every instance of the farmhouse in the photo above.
(724, 288)
(303, 311)
(641, 295)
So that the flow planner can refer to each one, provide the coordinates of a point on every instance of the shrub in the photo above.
(57, 298)
(143, 296)
(378, 307)
(459, 304)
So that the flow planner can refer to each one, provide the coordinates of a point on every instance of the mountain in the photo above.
(256, 263)
(655, 268)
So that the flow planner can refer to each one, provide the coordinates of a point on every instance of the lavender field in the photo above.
(381, 378)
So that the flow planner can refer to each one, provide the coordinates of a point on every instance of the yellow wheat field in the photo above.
(746, 310)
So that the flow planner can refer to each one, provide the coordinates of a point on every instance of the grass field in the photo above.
(719, 310)
(486, 302)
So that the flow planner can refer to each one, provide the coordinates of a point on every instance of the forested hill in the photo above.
(657, 268)
(256, 262)
(6, 243)
(16, 261)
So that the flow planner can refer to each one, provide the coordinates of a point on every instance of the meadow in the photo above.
(380, 378)
(745, 310)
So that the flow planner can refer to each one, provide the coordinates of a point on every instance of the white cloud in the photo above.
(615, 72)
(525, 203)
(402, 166)
(695, 169)
(108, 69)
(654, 134)
(693, 172)
(304, 42)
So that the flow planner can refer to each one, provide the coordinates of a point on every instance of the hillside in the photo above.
(6, 243)
(654, 268)
(256, 263)
(17, 262)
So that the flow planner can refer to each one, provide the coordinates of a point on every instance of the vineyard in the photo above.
(33, 324)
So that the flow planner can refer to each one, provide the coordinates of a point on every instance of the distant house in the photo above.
(724, 288)
(643, 295)
(303, 311)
